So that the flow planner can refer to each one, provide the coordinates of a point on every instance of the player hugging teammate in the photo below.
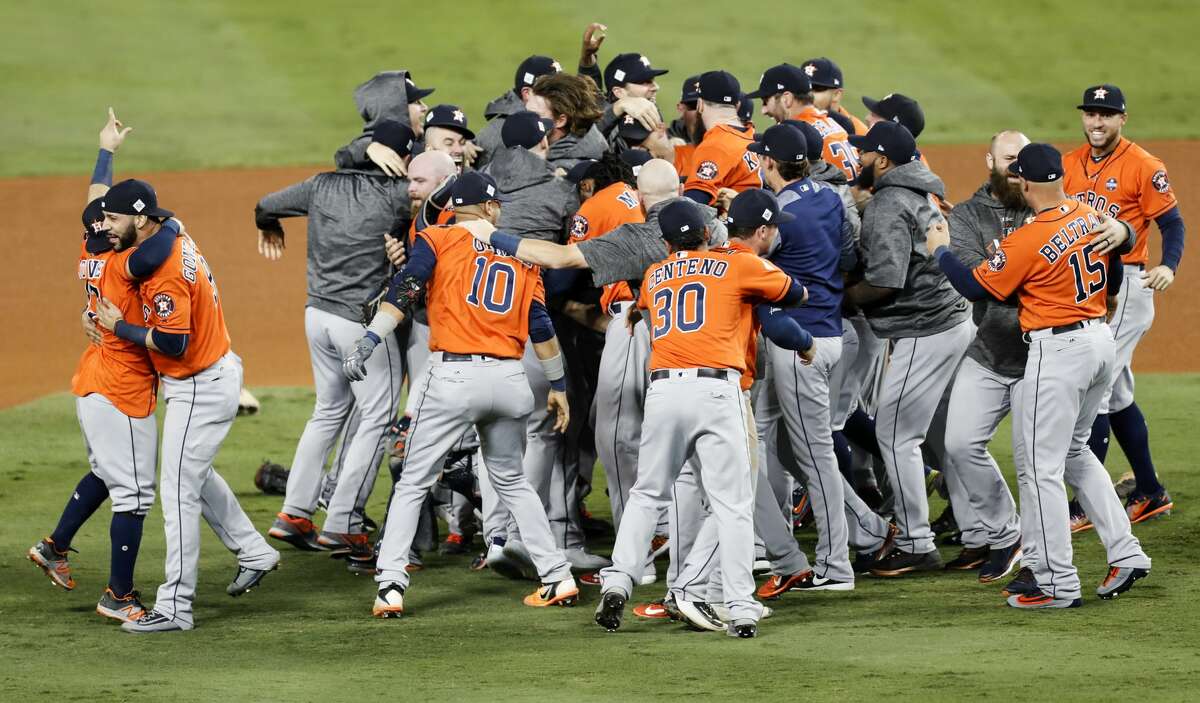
(747, 330)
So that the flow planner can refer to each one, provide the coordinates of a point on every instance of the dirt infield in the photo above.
(264, 301)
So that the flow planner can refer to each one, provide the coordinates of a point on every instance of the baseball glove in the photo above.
(271, 479)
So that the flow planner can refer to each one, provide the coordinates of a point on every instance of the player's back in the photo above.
(721, 161)
(1051, 265)
(117, 369)
(607, 209)
(181, 297)
(478, 300)
(699, 305)
(1129, 184)
(835, 147)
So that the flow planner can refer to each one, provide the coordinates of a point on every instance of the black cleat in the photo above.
(743, 629)
(1023, 584)
(969, 559)
(1001, 561)
(610, 611)
(900, 562)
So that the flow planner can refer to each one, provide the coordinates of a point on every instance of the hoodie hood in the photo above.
(505, 105)
(570, 150)
(825, 172)
(516, 168)
(383, 97)
(913, 175)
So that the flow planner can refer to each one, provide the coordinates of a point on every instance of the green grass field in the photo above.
(231, 83)
(307, 634)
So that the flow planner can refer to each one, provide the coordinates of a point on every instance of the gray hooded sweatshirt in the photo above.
(977, 227)
(537, 203)
(496, 112)
(894, 256)
(625, 253)
(383, 97)
(570, 150)
(348, 213)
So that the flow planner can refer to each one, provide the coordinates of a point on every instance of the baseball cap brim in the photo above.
(863, 142)
(419, 94)
(756, 146)
(579, 171)
(783, 217)
(872, 105)
(1099, 107)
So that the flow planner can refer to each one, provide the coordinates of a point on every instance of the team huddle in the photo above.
(748, 331)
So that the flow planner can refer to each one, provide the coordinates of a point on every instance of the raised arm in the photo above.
(111, 137)
(293, 201)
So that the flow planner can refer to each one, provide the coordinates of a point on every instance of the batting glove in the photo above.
(355, 365)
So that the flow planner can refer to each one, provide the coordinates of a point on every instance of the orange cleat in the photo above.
(564, 593)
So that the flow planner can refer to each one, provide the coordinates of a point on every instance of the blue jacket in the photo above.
(808, 249)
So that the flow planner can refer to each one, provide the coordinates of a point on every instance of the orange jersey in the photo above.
(700, 305)
(860, 127)
(1049, 264)
(181, 297)
(721, 161)
(117, 369)
(600, 214)
(685, 155)
(1129, 184)
(747, 380)
(836, 149)
(444, 216)
(478, 300)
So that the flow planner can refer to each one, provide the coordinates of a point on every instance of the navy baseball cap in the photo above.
(532, 69)
(632, 131)
(891, 139)
(630, 68)
(412, 93)
(719, 87)
(899, 108)
(133, 197)
(1103, 97)
(1040, 163)
(777, 79)
(448, 117)
(397, 136)
(823, 73)
(681, 222)
(746, 108)
(525, 129)
(473, 188)
(690, 92)
(636, 158)
(812, 138)
(93, 218)
(756, 207)
(781, 142)
(579, 171)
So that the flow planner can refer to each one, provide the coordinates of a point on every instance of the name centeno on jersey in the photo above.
(687, 267)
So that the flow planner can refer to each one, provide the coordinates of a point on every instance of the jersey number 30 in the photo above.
(682, 310)
(492, 285)
(1090, 274)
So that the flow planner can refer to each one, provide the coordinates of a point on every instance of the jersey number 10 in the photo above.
(682, 310)
(490, 279)
(1090, 273)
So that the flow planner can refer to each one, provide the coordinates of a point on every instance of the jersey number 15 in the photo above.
(1090, 273)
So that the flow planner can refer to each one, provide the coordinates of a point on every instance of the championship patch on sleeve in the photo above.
(707, 170)
(997, 260)
(163, 305)
(579, 226)
(1160, 182)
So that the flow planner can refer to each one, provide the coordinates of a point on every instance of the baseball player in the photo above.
(906, 300)
(496, 111)
(699, 305)
(201, 380)
(483, 306)
(446, 130)
(828, 88)
(897, 108)
(1058, 266)
(114, 385)
(571, 105)
(721, 159)
(687, 130)
(631, 90)
(786, 92)
(1121, 179)
(388, 95)
(346, 268)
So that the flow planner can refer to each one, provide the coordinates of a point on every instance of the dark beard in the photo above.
(866, 178)
(1008, 193)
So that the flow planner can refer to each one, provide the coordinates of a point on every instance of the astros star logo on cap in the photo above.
(459, 116)
(1099, 93)
(811, 70)
(645, 61)
(556, 66)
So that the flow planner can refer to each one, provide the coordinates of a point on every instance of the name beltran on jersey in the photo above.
(1066, 236)
(687, 267)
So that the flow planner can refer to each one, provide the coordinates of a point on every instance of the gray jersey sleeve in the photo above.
(887, 247)
(621, 255)
(292, 201)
